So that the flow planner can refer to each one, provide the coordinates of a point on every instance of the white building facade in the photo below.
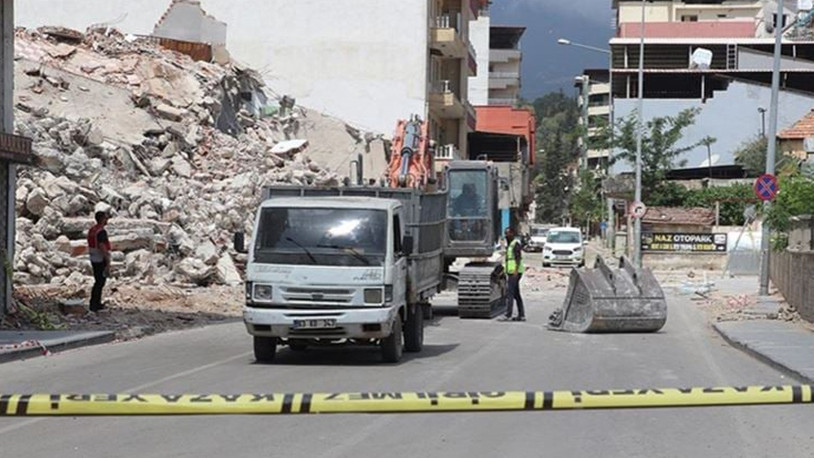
(368, 62)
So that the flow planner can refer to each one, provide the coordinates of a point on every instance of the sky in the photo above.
(548, 66)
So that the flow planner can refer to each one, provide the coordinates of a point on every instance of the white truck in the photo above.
(347, 264)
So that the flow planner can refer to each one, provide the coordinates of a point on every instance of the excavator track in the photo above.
(481, 290)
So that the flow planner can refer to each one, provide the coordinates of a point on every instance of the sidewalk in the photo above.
(785, 345)
(17, 345)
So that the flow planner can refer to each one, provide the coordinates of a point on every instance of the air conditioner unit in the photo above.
(701, 58)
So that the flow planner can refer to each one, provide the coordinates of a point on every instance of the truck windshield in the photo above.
(468, 215)
(321, 236)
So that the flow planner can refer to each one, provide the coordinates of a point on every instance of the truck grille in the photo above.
(563, 252)
(317, 295)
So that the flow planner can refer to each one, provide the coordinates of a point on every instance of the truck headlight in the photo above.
(262, 292)
(249, 291)
(388, 293)
(547, 249)
(373, 296)
(577, 250)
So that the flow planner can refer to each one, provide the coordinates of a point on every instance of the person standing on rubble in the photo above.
(514, 267)
(99, 249)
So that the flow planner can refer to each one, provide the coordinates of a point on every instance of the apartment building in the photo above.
(731, 88)
(368, 62)
(593, 89)
(498, 49)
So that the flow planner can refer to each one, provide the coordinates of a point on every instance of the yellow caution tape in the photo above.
(393, 402)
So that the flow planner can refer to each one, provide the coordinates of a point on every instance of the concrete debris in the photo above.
(175, 150)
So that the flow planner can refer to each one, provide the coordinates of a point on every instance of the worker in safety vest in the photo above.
(514, 267)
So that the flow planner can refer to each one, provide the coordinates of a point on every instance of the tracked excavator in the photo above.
(473, 223)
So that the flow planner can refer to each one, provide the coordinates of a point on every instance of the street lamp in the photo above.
(567, 42)
(762, 112)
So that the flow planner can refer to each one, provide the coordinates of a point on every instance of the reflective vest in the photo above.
(511, 265)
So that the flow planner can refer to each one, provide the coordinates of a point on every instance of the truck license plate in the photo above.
(315, 324)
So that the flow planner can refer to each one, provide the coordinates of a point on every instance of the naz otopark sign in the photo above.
(673, 242)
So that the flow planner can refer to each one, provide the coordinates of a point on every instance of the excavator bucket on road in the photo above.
(605, 299)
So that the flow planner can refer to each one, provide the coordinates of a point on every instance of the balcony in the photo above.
(447, 38)
(503, 80)
(447, 153)
(502, 101)
(602, 110)
(504, 55)
(445, 102)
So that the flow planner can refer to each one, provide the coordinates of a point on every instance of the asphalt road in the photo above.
(469, 355)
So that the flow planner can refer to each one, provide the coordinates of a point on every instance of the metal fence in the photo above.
(792, 272)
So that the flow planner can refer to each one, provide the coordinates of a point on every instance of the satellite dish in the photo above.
(715, 159)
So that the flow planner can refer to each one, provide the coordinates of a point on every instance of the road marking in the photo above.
(21, 405)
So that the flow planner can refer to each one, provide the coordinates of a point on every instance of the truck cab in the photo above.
(330, 269)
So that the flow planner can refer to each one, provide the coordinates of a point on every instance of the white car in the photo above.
(536, 239)
(564, 247)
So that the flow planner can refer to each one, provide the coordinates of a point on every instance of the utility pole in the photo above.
(637, 224)
(772, 142)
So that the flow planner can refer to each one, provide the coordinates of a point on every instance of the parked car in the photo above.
(536, 239)
(564, 246)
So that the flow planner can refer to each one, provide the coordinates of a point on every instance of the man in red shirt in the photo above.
(99, 249)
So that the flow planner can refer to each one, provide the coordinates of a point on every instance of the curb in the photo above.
(762, 357)
(58, 345)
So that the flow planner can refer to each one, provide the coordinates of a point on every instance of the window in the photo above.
(397, 248)
(689, 18)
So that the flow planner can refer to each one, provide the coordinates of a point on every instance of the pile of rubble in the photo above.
(176, 150)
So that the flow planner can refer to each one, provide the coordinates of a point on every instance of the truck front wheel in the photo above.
(393, 345)
(414, 331)
(265, 348)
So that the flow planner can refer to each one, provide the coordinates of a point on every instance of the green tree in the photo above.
(557, 134)
(732, 201)
(796, 197)
(661, 138)
(751, 155)
(586, 204)
(553, 183)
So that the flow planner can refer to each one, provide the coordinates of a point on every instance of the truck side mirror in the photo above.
(240, 242)
(407, 245)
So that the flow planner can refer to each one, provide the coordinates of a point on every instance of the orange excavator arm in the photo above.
(411, 159)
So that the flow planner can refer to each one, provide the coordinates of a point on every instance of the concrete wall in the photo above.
(187, 21)
(793, 274)
(479, 37)
(731, 117)
(679, 261)
(364, 61)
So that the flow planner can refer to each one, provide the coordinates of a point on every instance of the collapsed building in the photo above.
(174, 148)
